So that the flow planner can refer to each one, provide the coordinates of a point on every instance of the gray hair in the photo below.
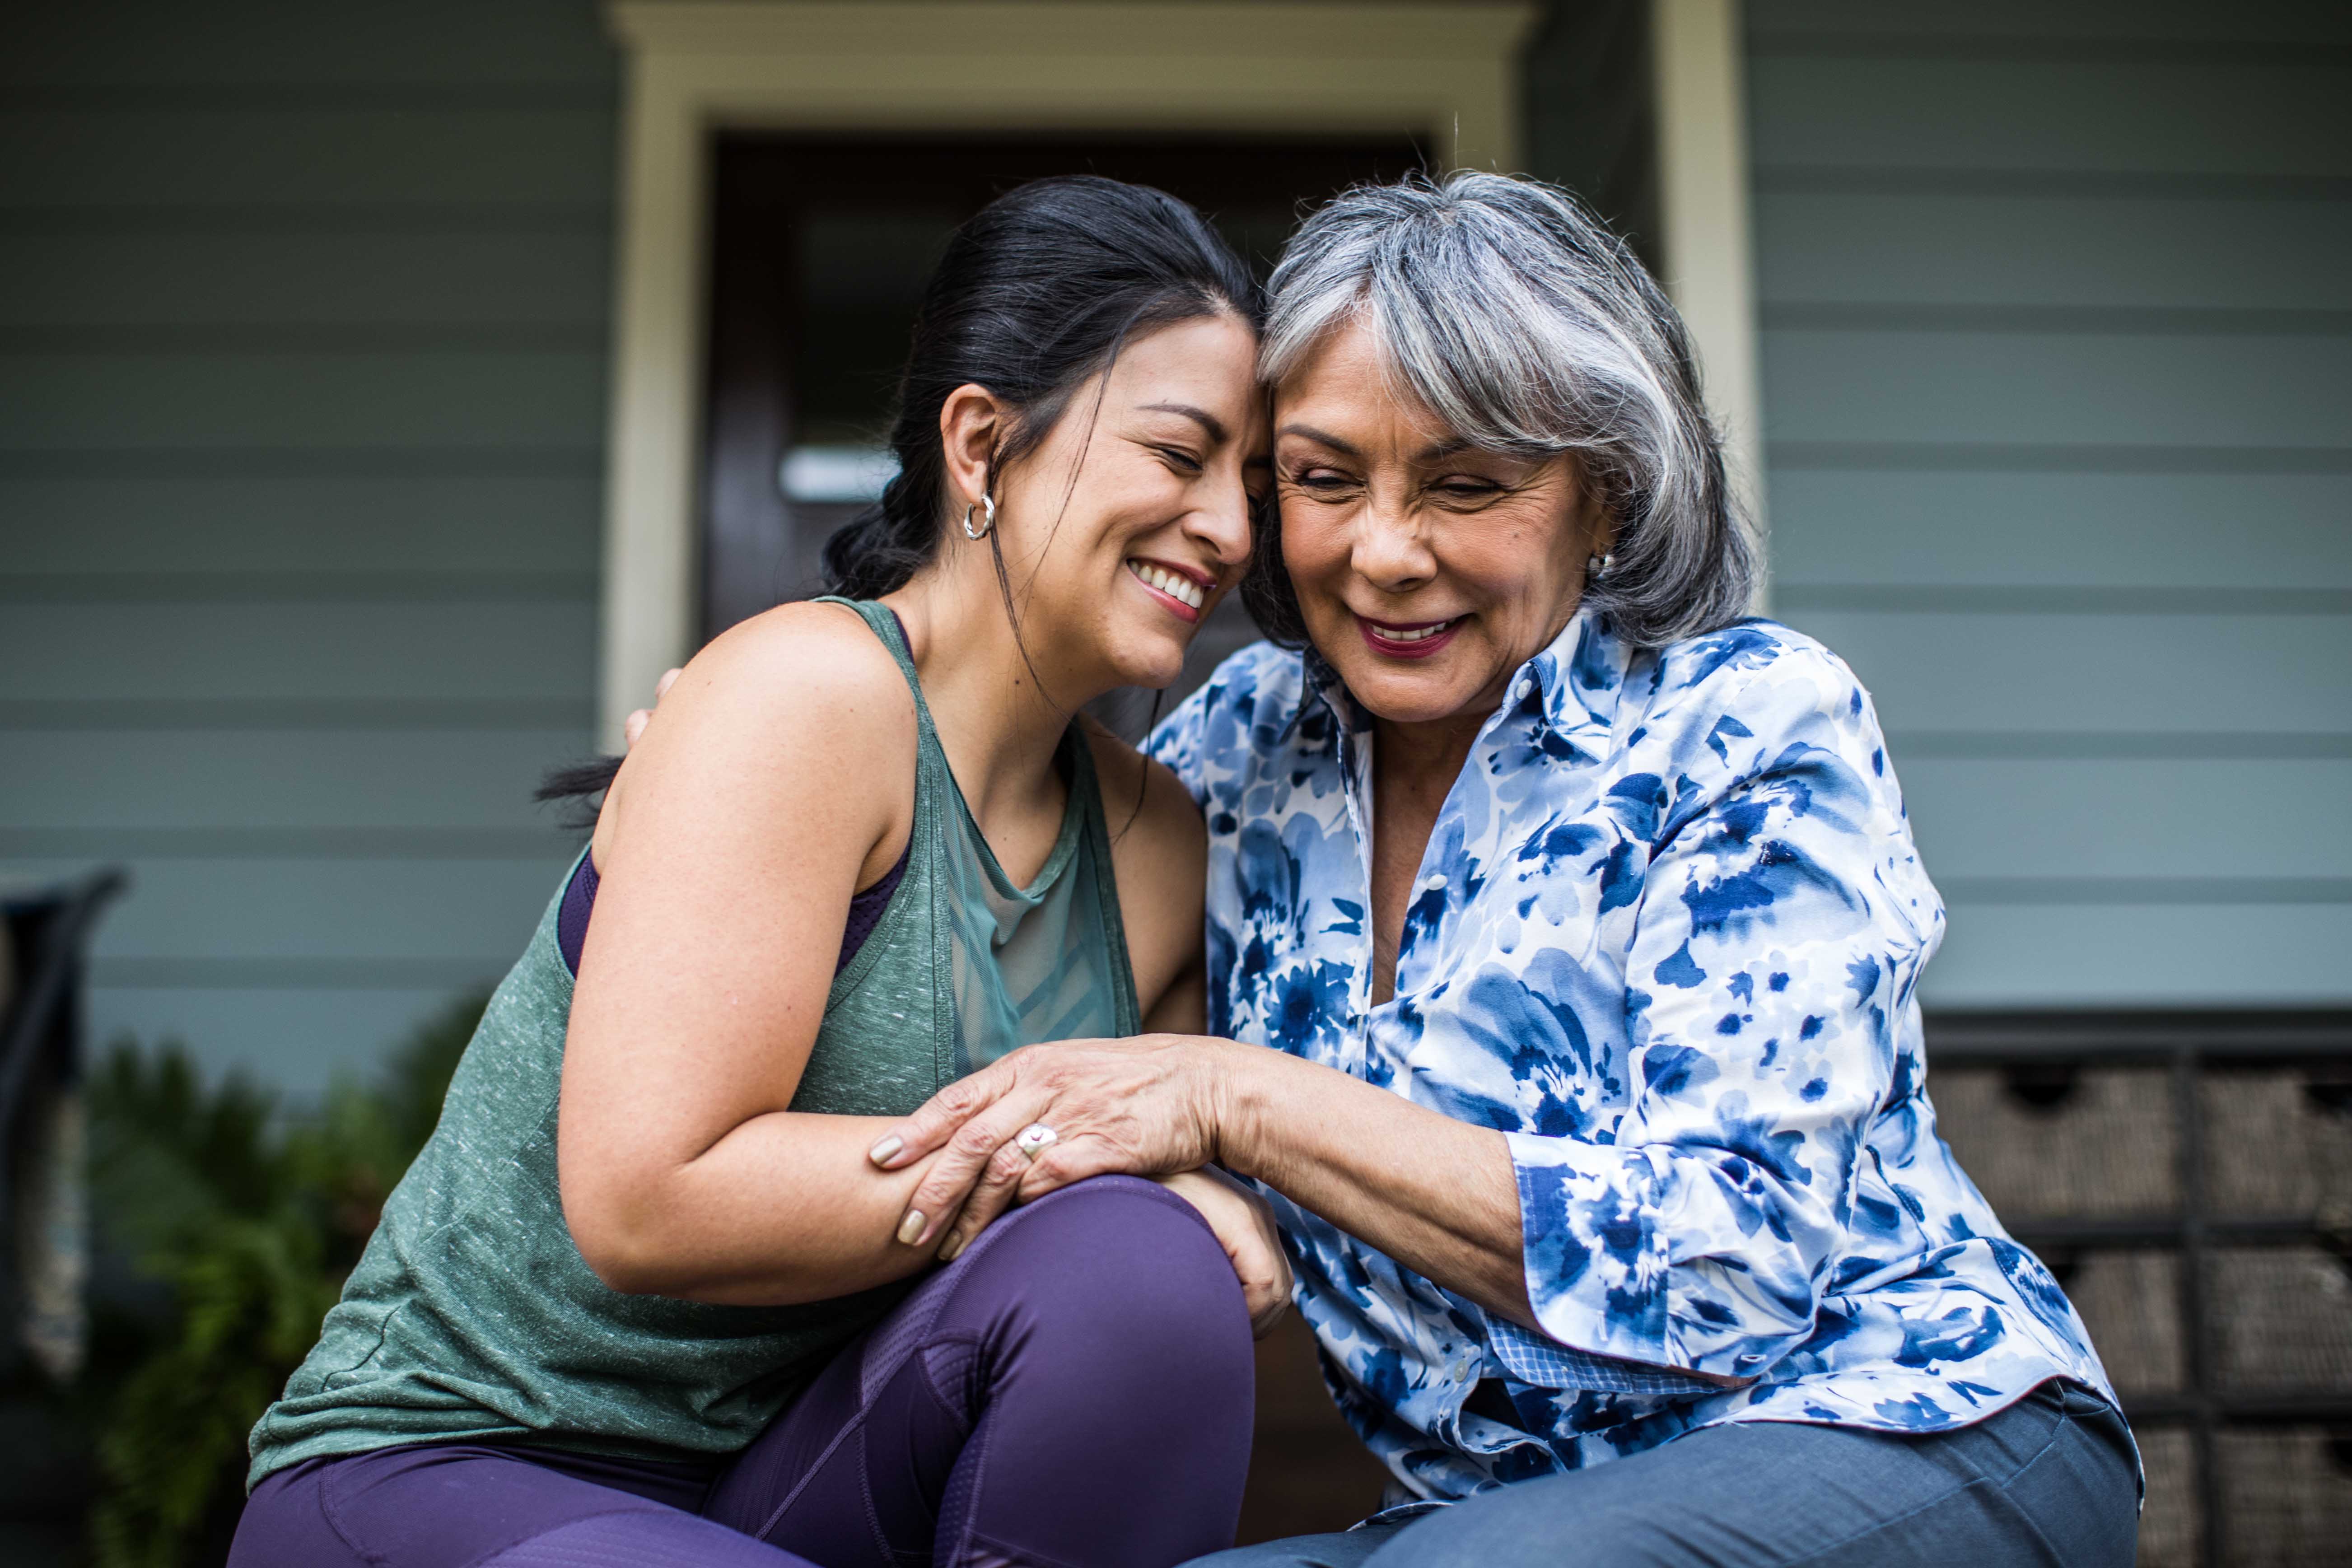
(1515, 317)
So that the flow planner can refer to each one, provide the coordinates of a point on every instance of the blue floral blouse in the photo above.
(1666, 936)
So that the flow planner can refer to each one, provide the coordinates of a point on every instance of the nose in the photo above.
(1390, 549)
(1224, 524)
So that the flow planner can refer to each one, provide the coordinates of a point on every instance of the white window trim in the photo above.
(1447, 72)
(1704, 177)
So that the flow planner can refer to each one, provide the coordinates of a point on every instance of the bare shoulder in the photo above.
(807, 655)
(813, 677)
(775, 712)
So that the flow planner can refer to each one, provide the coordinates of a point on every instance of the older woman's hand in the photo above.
(1144, 1106)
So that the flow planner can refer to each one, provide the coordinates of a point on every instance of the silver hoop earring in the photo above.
(1595, 566)
(988, 525)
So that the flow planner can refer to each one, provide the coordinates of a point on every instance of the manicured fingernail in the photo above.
(884, 1152)
(910, 1227)
(947, 1253)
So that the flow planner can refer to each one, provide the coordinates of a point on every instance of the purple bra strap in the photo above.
(580, 902)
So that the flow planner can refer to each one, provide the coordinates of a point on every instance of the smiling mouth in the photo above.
(1422, 633)
(1419, 639)
(1176, 586)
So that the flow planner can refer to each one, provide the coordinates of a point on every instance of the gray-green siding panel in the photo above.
(371, 522)
(373, 398)
(303, 333)
(2144, 819)
(2058, 372)
(247, 911)
(2169, 955)
(2033, 530)
(2014, 250)
(2107, 116)
(2110, 26)
(234, 288)
(297, 781)
(65, 160)
(215, 50)
(2060, 673)
(320, 652)
(2057, 389)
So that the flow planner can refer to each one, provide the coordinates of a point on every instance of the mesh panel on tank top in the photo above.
(1048, 974)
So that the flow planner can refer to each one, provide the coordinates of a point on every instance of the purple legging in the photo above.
(1074, 1392)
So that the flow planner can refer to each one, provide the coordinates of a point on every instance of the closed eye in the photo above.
(1466, 490)
(1320, 478)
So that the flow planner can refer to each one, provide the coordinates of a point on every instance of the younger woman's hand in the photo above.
(1244, 1227)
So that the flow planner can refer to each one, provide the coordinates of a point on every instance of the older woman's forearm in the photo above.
(1441, 1196)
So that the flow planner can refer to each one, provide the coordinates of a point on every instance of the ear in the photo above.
(972, 425)
(1593, 519)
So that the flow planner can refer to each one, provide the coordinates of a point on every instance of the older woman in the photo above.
(1584, 922)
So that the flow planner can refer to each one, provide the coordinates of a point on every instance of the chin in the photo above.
(1418, 697)
(1149, 659)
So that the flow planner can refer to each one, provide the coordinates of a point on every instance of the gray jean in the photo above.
(2051, 1481)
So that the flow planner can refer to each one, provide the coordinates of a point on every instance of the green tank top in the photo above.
(471, 1316)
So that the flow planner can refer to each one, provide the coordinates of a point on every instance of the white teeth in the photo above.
(1417, 634)
(1181, 589)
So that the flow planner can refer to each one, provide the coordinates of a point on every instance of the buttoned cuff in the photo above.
(1597, 1269)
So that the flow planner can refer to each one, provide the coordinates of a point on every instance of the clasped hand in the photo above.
(1141, 1106)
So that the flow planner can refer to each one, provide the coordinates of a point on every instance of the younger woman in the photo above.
(642, 1298)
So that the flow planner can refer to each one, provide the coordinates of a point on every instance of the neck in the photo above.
(1424, 758)
(997, 725)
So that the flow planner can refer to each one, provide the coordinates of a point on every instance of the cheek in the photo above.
(1520, 567)
(1314, 544)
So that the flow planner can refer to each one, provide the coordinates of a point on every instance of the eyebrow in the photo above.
(1435, 453)
(1324, 437)
(1201, 417)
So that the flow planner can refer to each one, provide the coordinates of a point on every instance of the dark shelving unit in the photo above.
(2174, 1144)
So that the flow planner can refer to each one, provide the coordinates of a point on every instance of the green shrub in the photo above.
(249, 1220)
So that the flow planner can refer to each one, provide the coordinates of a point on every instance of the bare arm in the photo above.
(727, 858)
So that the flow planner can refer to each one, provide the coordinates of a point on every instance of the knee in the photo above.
(1120, 1258)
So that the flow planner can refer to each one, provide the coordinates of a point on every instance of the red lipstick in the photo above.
(1425, 636)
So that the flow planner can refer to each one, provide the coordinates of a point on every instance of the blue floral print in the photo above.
(1666, 937)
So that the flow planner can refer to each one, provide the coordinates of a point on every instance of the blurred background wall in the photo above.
(307, 340)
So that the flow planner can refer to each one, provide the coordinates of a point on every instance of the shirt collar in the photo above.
(1572, 683)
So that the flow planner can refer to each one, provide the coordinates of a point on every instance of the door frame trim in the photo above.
(1698, 49)
(1447, 73)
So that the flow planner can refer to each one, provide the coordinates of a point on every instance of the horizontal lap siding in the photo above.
(303, 326)
(2058, 372)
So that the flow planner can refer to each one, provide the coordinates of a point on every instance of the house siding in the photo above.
(2057, 339)
(303, 321)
